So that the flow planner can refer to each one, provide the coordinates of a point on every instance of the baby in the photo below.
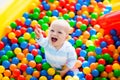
(59, 52)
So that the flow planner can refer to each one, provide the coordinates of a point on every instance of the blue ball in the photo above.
(7, 48)
(78, 32)
(72, 41)
(18, 27)
(85, 64)
(83, 53)
(117, 43)
(43, 61)
(26, 15)
(43, 73)
(33, 78)
(83, 47)
(28, 22)
(55, 13)
(29, 70)
(39, 52)
(6, 64)
(5, 40)
(92, 32)
(15, 60)
(98, 50)
(81, 75)
(30, 57)
(2, 52)
(70, 73)
(73, 34)
(91, 59)
(95, 72)
(31, 47)
(29, 30)
(46, 6)
(115, 38)
(78, 6)
(23, 44)
(113, 32)
(50, 77)
(103, 44)
(119, 59)
(15, 45)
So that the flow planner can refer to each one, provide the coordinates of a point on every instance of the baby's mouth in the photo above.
(53, 39)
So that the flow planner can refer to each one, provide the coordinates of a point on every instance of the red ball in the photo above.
(79, 18)
(16, 72)
(108, 68)
(102, 61)
(62, 2)
(1, 45)
(93, 21)
(85, 21)
(42, 14)
(19, 22)
(37, 45)
(23, 67)
(97, 43)
(90, 8)
(89, 77)
(41, 7)
(39, 66)
(59, 8)
(78, 51)
(81, 59)
(64, 10)
(18, 33)
(72, 8)
(21, 77)
(67, 6)
(23, 30)
(14, 40)
(34, 52)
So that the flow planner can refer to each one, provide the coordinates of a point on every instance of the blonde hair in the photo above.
(61, 23)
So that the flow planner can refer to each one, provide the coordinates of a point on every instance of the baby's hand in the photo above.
(62, 73)
(38, 31)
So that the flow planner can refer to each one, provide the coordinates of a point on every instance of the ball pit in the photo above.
(21, 58)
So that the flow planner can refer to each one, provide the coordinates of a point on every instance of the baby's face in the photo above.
(57, 35)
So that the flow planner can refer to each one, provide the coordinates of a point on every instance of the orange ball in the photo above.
(78, 24)
(118, 48)
(32, 63)
(115, 56)
(52, 7)
(7, 73)
(36, 74)
(113, 78)
(25, 51)
(86, 34)
(97, 27)
(93, 66)
(111, 47)
(8, 29)
(20, 56)
(91, 53)
(110, 74)
(104, 74)
(12, 67)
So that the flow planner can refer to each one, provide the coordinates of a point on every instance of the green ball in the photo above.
(38, 58)
(116, 73)
(93, 37)
(36, 10)
(100, 67)
(97, 78)
(106, 56)
(94, 15)
(46, 19)
(83, 27)
(42, 50)
(98, 57)
(10, 54)
(4, 57)
(72, 23)
(21, 39)
(12, 79)
(91, 48)
(66, 16)
(49, 13)
(104, 79)
(51, 1)
(41, 21)
(35, 15)
(78, 42)
(45, 26)
(13, 25)
(110, 60)
(45, 66)
(33, 35)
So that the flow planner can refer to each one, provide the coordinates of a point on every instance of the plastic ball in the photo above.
(21, 77)
(102, 61)
(36, 74)
(5, 78)
(34, 52)
(45, 66)
(104, 74)
(15, 60)
(71, 14)
(106, 56)
(43, 78)
(16, 72)
(7, 73)
(115, 66)
(10, 54)
(87, 70)
(38, 58)
(23, 67)
(32, 63)
(30, 57)
(11, 35)
(95, 72)
(6, 63)
(20, 56)
(13, 25)
(57, 77)
(98, 50)
(100, 67)
(1, 45)
(51, 71)
(38, 66)
(4, 57)
(83, 53)
(23, 45)
(33, 78)
(2, 69)
(29, 70)
(17, 50)
(1, 76)
(43, 73)
(27, 36)
(31, 47)
(78, 42)
(116, 73)
(28, 22)
(89, 77)
(68, 77)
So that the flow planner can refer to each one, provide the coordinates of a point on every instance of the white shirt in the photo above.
(66, 55)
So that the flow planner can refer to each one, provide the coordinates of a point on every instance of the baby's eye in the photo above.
(59, 32)
(52, 30)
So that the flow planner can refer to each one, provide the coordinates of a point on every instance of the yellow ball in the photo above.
(89, 42)
(68, 77)
(75, 78)
(32, 41)
(115, 66)
(110, 74)
(57, 77)
(1, 76)
(43, 78)
(17, 50)
(5, 78)
(34, 23)
(87, 70)
(51, 71)
(28, 77)
(71, 14)
(2, 69)
(11, 35)
(27, 36)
